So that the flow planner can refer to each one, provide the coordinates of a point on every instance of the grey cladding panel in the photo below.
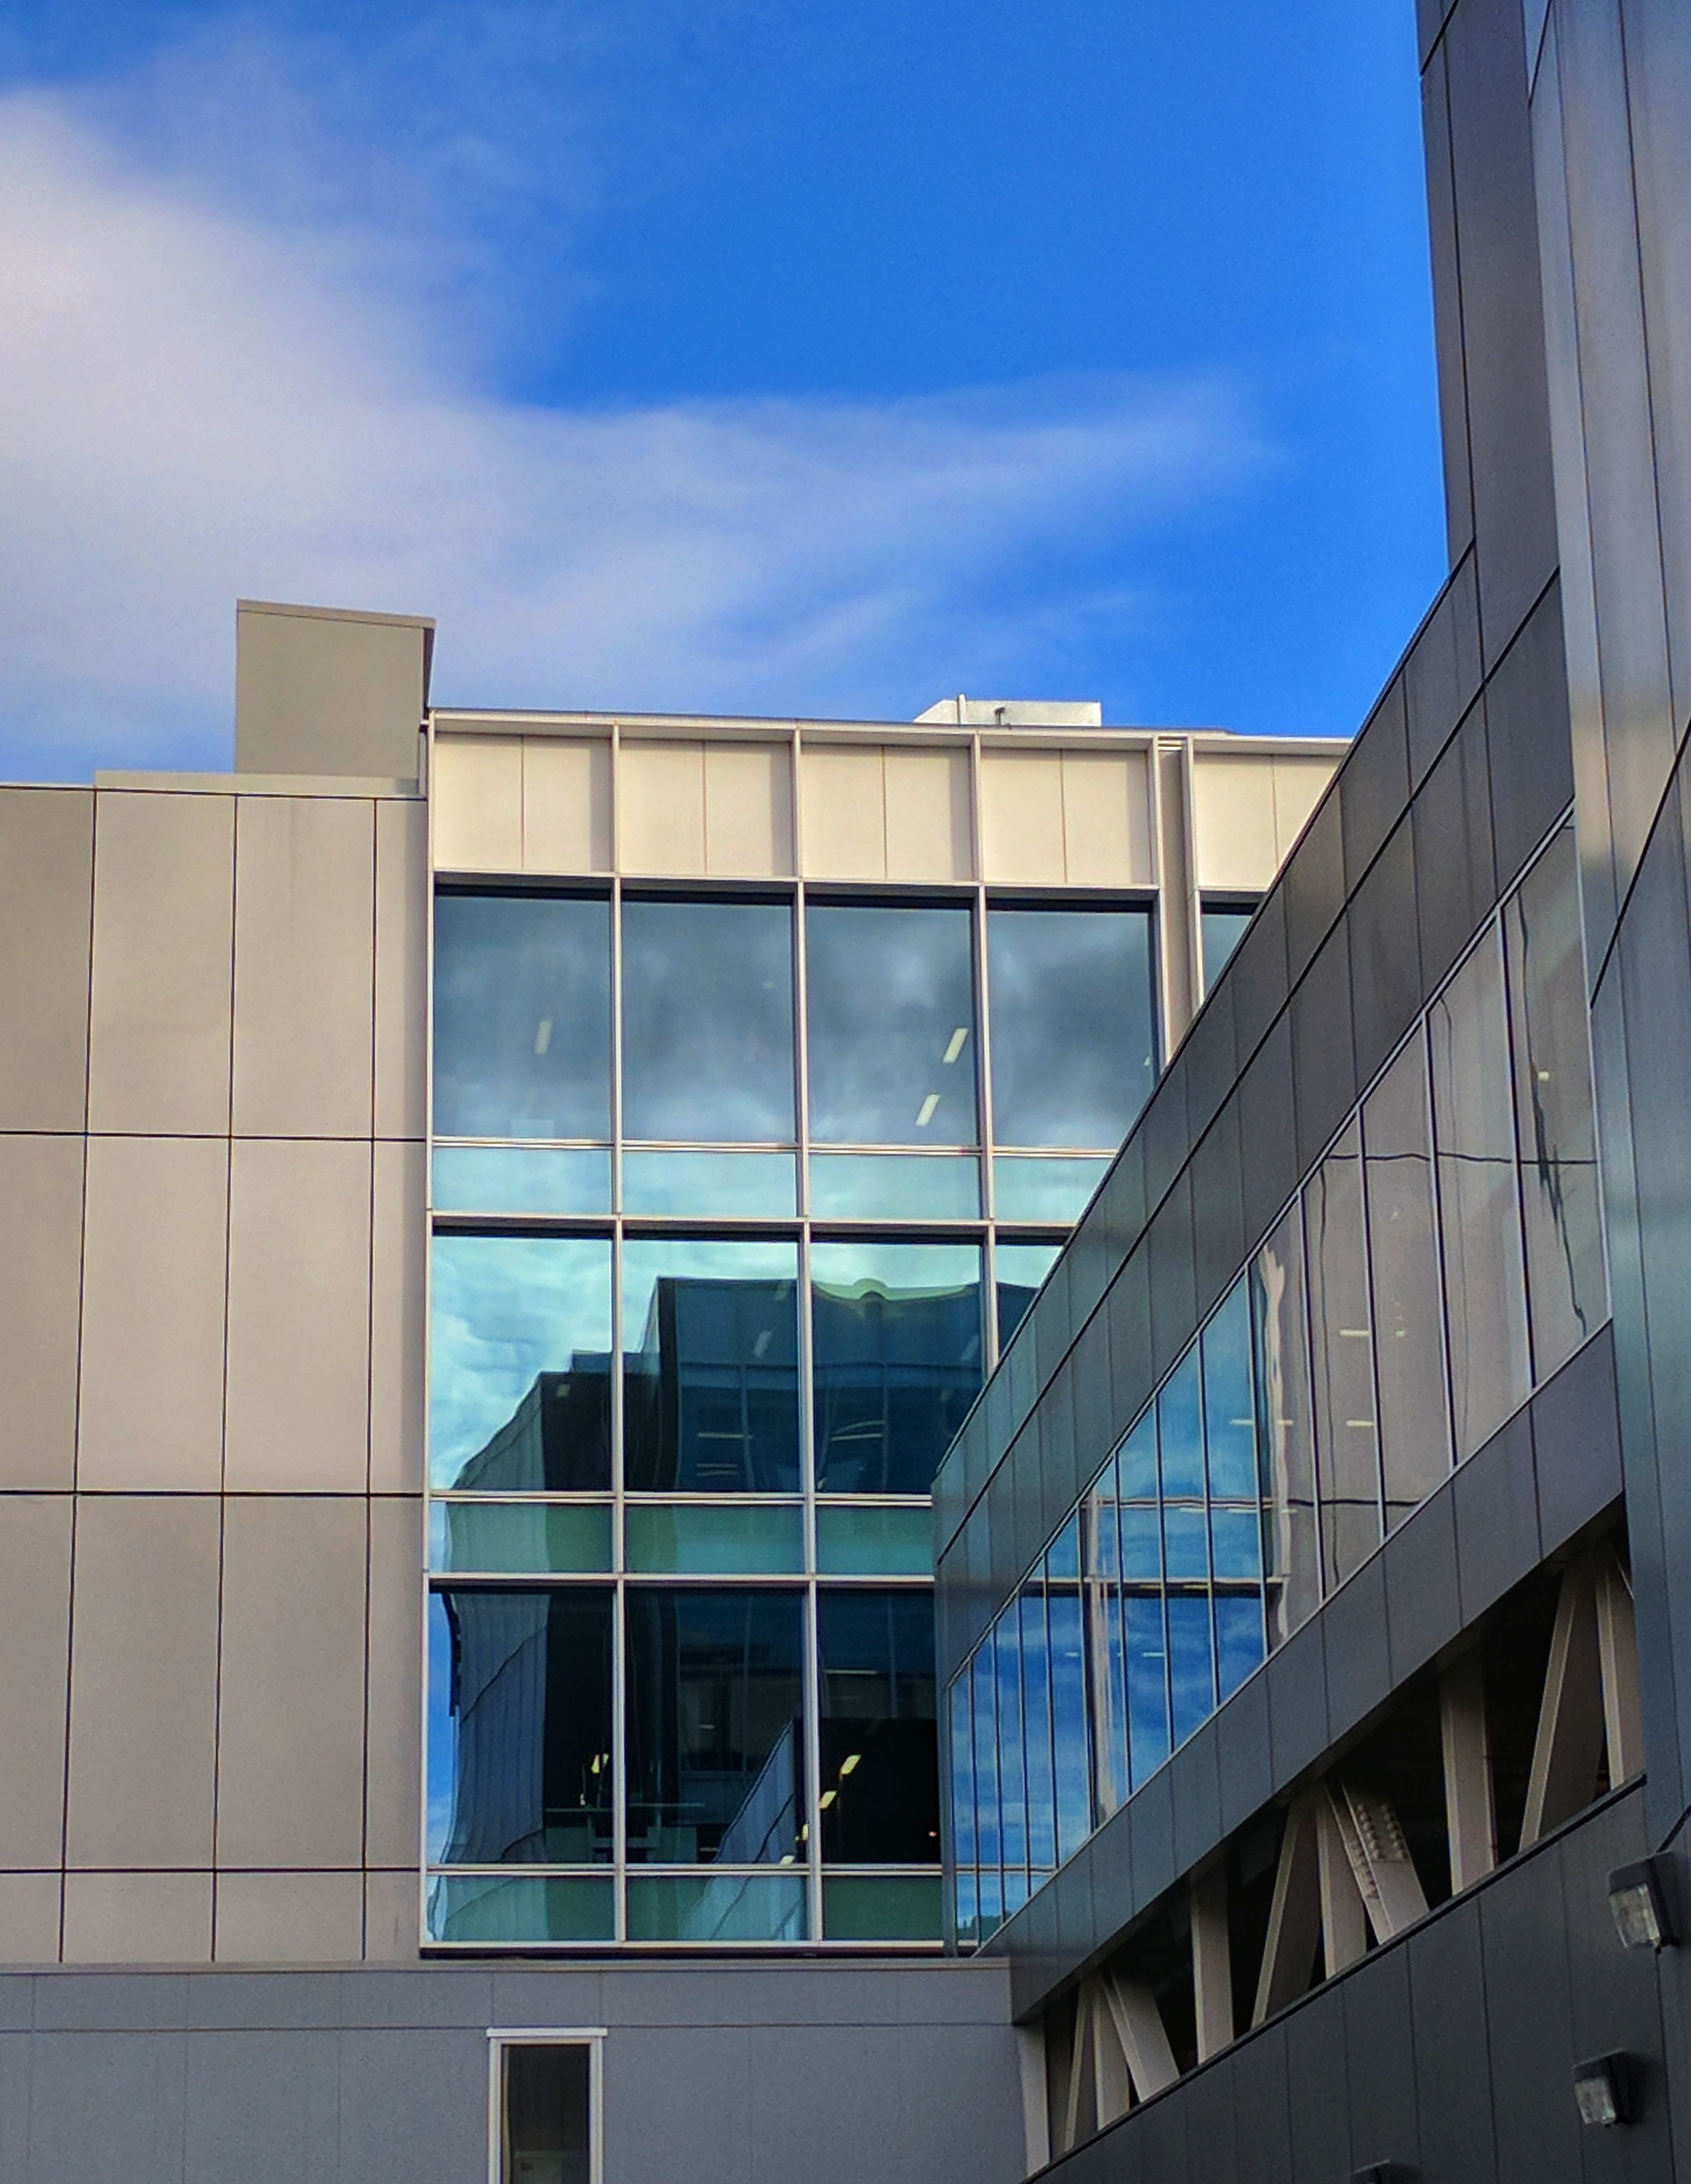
(321, 692)
(164, 912)
(47, 847)
(41, 1218)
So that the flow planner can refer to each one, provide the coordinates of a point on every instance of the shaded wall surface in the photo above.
(1448, 2054)
(836, 2073)
(211, 1185)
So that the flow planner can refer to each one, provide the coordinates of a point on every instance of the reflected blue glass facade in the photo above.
(699, 1346)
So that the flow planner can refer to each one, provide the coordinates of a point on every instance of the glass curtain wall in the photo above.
(1443, 1259)
(736, 1197)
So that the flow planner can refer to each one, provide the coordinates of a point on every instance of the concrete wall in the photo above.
(211, 1185)
(742, 2073)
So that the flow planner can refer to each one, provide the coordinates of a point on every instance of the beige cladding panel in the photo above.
(40, 1281)
(29, 1917)
(930, 834)
(35, 1585)
(566, 805)
(164, 911)
(137, 1918)
(391, 1916)
(299, 1300)
(747, 810)
(47, 851)
(143, 1682)
(1021, 817)
(155, 1256)
(1298, 786)
(398, 1255)
(291, 1702)
(305, 970)
(1234, 821)
(661, 809)
(476, 795)
(402, 968)
(394, 1759)
(290, 1917)
(1107, 820)
(843, 811)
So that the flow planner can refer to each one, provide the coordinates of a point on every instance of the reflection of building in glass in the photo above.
(554, 1442)
(896, 1372)
(712, 1390)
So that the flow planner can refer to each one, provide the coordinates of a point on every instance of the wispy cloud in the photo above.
(197, 401)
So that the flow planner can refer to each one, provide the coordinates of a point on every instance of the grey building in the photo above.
(1367, 1356)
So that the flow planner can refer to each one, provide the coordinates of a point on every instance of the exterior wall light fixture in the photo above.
(1641, 1903)
(1600, 2085)
(1378, 2172)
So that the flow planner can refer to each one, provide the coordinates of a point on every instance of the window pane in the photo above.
(511, 1907)
(519, 1727)
(1229, 1402)
(1180, 1430)
(1238, 1639)
(1102, 1544)
(892, 1008)
(699, 1186)
(1222, 927)
(1282, 1329)
(1473, 1126)
(1192, 1669)
(1148, 1717)
(1012, 1762)
(983, 1685)
(1036, 1716)
(886, 1907)
(1022, 1269)
(1553, 1104)
(879, 1761)
(897, 1334)
(894, 1187)
(522, 1016)
(716, 1909)
(520, 1364)
(1073, 1018)
(960, 1707)
(707, 1022)
(872, 1542)
(1415, 1415)
(1342, 1346)
(520, 1538)
(520, 1179)
(735, 1538)
(546, 2115)
(1047, 1187)
(711, 1369)
(716, 1743)
(1069, 1714)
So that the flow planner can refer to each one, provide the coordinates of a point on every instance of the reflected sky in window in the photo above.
(1073, 1018)
(707, 1022)
(522, 1016)
(507, 1310)
(892, 1012)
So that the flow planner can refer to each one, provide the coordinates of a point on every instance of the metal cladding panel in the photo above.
(47, 853)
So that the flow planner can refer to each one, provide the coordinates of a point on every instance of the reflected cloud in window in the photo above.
(897, 1334)
(707, 1022)
(891, 1021)
(1073, 1021)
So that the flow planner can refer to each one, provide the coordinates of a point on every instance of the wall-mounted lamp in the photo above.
(1641, 1903)
(1378, 2172)
(1601, 2088)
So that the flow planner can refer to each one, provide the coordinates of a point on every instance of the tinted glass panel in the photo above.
(520, 1179)
(1222, 928)
(1021, 1269)
(872, 1542)
(1229, 1408)
(1051, 1189)
(888, 1907)
(892, 1010)
(522, 1017)
(554, 1907)
(546, 2115)
(1343, 1345)
(521, 1538)
(1147, 1711)
(519, 1363)
(1036, 1716)
(715, 1743)
(875, 1663)
(896, 1336)
(1279, 1311)
(1553, 1106)
(707, 1022)
(1102, 1541)
(894, 1187)
(1073, 1018)
(717, 1908)
(1415, 1417)
(739, 1185)
(1485, 1298)
(736, 1539)
(1012, 1771)
(1192, 1665)
(1069, 1713)
(710, 1369)
(520, 1734)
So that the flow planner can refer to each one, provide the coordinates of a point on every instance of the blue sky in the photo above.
(726, 354)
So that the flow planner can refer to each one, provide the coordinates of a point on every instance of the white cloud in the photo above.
(194, 405)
